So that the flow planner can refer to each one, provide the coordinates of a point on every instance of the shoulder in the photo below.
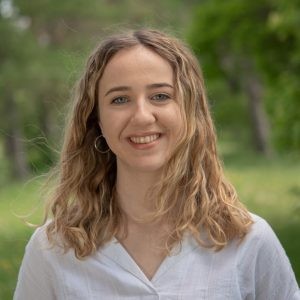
(263, 261)
(39, 247)
(260, 234)
(260, 226)
(261, 242)
(39, 238)
(37, 275)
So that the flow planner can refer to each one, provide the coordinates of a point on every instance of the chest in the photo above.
(147, 256)
(114, 274)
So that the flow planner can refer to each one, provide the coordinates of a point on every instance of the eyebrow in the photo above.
(149, 86)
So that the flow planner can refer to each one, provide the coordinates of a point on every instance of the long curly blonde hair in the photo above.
(193, 194)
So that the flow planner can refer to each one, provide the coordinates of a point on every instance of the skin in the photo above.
(141, 122)
(137, 99)
(130, 95)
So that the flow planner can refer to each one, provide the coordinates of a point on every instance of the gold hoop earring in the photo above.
(97, 143)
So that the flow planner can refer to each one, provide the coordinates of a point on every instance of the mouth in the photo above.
(144, 139)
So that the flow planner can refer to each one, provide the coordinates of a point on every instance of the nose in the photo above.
(143, 113)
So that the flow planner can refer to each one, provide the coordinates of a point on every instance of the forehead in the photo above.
(136, 54)
(136, 63)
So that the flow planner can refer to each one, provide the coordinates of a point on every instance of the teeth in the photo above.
(144, 139)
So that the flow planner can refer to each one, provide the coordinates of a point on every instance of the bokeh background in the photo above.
(250, 55)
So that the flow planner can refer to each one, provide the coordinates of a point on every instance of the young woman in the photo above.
(142, 209)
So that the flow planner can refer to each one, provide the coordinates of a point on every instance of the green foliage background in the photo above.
(265, 35)
(44, 46)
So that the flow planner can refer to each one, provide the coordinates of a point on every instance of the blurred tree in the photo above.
(282, 68)
(11, 79)
(28, 83)
(254, 46)
(45, 43)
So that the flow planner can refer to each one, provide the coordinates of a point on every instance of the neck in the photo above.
(132, 190)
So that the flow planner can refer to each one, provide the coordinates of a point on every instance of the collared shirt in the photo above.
(256, 268)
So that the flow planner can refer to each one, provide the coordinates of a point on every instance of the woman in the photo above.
(142, 209)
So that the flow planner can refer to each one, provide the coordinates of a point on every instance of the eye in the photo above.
(161, 97)
(119, 100)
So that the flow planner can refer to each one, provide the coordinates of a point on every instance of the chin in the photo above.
(143, 165)
(148, 167)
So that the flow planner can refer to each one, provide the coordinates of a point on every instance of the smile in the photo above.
(144, 139)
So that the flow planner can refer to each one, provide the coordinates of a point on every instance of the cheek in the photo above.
(105, 120)
(174, 124)
(103, 125)
(112, 125)
(177, 121)
(178, 128)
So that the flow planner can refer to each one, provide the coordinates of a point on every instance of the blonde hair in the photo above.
(192, 194)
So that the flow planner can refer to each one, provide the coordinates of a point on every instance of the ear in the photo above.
(100, 125)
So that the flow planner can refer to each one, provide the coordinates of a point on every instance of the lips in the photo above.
(144, 139)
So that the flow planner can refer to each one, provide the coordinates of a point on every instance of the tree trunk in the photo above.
(13, 141)
(240, 73)
(260, 125)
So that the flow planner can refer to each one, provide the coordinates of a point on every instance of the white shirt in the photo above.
(257, 268)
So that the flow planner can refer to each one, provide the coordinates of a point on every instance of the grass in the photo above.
(16, 200)
(272, 190)
(269, 188)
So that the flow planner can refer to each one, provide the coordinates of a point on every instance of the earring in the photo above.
(97, 144)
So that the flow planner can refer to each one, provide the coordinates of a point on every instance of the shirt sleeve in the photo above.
(34, 280)
(274, 277)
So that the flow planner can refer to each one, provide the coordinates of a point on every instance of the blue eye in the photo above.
(161, 97)
(119, 100)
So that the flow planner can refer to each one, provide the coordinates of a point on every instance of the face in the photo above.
(139, 115)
